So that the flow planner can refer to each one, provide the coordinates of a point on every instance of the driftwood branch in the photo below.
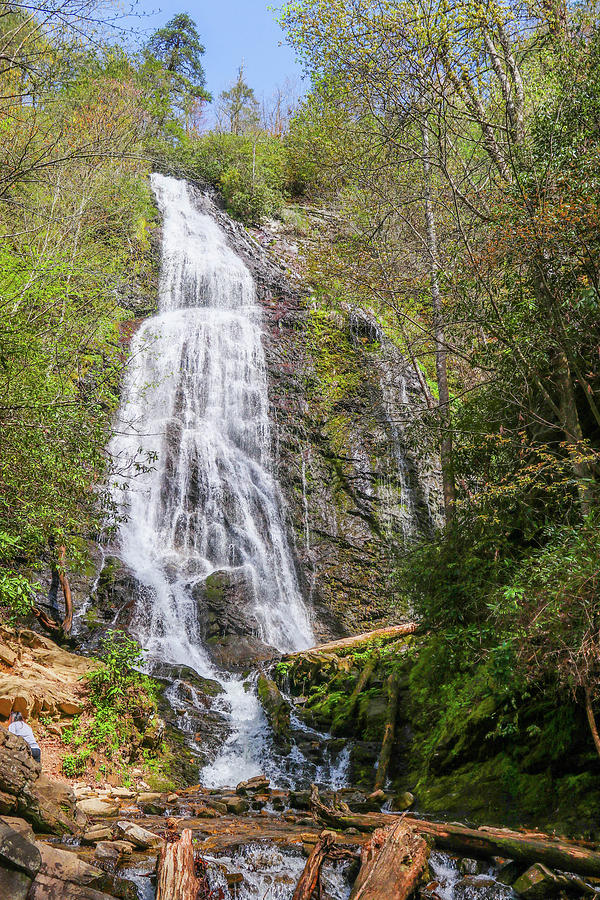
(67, 623)
(392, 864)
(312, 870)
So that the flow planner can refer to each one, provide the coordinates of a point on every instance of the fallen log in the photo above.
(383, 635)
(568, 856)
(392, 864)
(385, 754)
(312, 870)
(176, 877)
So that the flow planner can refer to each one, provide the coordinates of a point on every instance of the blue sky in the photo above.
(232, 31)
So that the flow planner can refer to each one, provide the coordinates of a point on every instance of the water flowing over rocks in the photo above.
(358, 483)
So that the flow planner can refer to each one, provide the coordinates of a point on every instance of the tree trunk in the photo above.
(441, 355)
(571, 426)
(312, 870)
(488, 842)
(392, 864)
(67, 623)
(347, 712)
(176, 873)
(589, 710)
(385, 754)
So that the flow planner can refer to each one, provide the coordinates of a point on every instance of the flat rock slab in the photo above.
(97, 807)
(138, 836)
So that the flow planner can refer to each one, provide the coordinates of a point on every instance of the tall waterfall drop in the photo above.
(196, 401)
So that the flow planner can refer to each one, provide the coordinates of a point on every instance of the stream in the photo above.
(194, 429)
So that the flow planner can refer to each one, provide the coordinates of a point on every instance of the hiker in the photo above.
(22, 729)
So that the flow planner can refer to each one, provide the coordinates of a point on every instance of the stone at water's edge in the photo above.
(26, 791)
(138, 836)
(276, 709)
(539, 882)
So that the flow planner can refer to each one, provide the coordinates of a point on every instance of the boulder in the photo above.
(7, 656)
(17, 852)
(148, 797)
(259, 783)
(123, 793)
(48, 805)
(97, 806)
(226, 602)
(276, 710)
(97, 833)
(239, 651)
(19, 825)
(539, 882)
(467, 866)
(167, 673)
(63, 876)
(300, 799)
(110, 852)
(236, 805)
(138, 836)
(402, 801)
(47, 679)
(14, 885)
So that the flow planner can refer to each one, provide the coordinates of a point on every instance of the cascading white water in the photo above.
(196, 401)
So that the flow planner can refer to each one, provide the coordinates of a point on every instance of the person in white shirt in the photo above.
(22, 729)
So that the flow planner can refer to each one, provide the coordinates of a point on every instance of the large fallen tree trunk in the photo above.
(392, 864)
(312, 870)
(385, 754)
(382, 635)
(487, 842)
(176, 870)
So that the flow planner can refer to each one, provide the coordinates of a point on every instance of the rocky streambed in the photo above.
(251, 840)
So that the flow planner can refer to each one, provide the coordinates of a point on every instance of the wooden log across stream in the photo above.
(487, 842)
(382, 635)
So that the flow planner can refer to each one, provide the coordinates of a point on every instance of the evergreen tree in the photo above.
(178, 50)
(238, 107)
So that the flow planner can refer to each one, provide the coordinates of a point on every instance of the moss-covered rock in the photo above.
(276, 710)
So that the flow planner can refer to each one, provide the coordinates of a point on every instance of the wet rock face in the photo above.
(226, 610)
(357, 486)
(225, 604)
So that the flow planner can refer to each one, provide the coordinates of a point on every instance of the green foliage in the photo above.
(248, 170)
(122, 707)
(74, 764)
(121, 657)
(177, 49)
(238, 106)
(76, 222)
(16, 591)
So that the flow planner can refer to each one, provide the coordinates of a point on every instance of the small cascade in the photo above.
(195, 404)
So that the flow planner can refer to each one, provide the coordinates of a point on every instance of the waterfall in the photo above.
(195, 404)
